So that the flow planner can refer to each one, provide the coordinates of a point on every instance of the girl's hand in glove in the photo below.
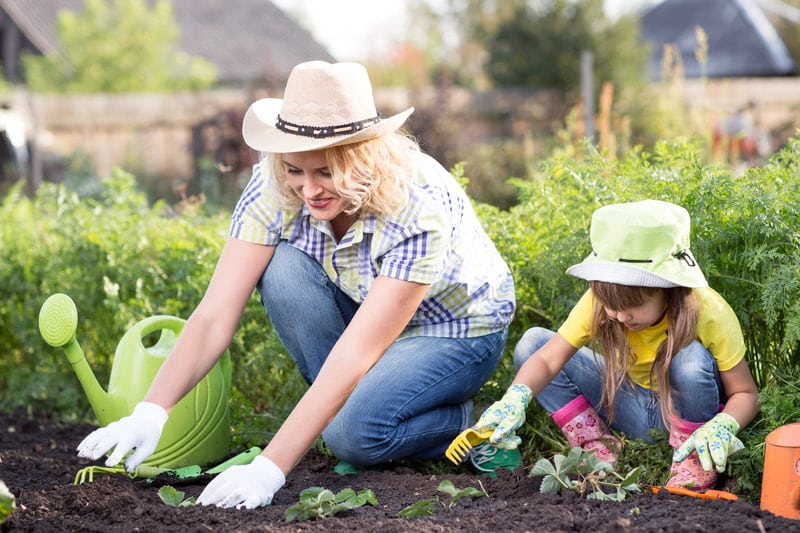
(244, 486)
(714, 441)
(506, 416)
(141, 430)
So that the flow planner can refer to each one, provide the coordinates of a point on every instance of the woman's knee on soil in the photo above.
(352, 441)
(531, 340)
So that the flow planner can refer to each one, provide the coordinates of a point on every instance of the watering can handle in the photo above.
(156, 323)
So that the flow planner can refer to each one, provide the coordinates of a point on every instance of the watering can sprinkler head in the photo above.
(58, 323)
(58, 320)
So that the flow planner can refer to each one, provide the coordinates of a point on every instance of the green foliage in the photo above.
(117, 46)
(319, 502)
(427, 506)
(7, 502)
(654, 457)
(171, 496)
(582, 472)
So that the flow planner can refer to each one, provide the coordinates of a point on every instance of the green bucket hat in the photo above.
(644, 244)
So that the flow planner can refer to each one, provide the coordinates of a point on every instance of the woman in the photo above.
(375, 273)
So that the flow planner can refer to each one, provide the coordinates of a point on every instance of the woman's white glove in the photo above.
(244, 486)
(141, 430)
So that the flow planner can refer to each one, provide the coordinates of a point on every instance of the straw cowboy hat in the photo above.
(644, 244)
(324, 104)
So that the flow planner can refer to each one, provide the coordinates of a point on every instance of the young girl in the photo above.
(375, 273)
(672, 351)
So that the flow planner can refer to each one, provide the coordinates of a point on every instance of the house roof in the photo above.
(741, 40)
(245, 39)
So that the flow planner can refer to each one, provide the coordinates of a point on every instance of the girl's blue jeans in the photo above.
(411, 403)
(694, 379)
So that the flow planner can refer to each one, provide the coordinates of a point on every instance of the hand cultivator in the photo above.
(169, 475)
(464, 442)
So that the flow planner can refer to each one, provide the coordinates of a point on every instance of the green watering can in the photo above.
(197, 431)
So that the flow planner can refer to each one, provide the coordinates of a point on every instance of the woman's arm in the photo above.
(210, 328)
(380, 319)
(742, 393)
(541, 367)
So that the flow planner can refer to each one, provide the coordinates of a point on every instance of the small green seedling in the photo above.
(172, 496)
(427, 506)
(319, 502)
(7, 502)
(582, 472)
(455, 494)
(421, 508)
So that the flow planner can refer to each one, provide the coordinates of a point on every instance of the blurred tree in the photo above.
(117, 46)
(531, 43)
(539, 44)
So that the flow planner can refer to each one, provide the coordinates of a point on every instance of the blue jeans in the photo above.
(694, 378)
(411, 403)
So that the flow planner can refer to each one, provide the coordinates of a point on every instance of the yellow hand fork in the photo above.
(465, 441)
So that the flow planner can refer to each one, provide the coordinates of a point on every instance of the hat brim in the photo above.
(633, 276)
(260, 133)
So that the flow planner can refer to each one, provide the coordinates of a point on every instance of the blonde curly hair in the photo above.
(372, 176)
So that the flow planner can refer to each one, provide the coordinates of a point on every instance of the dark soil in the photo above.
(38, 463)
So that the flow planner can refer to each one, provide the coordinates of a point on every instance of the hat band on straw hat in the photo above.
(326, 131)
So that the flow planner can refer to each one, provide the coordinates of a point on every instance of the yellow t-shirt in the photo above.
(718, 330)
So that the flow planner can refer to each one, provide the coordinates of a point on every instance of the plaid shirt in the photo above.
(435, 239)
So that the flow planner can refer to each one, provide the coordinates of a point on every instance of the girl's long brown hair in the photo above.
(608, 337)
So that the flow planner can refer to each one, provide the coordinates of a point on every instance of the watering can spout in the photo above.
(58, 322)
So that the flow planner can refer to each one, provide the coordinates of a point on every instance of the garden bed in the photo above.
(38, 463)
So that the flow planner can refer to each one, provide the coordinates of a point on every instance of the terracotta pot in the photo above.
(780, 484)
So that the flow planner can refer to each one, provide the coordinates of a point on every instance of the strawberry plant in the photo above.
(427, 506)
(319, 502)
(172, 496)
(581, 471)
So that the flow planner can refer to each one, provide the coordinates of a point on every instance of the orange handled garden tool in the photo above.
(709, 494)
(466, 440)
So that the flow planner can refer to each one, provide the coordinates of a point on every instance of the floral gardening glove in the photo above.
(506, 416)
(714, 441)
